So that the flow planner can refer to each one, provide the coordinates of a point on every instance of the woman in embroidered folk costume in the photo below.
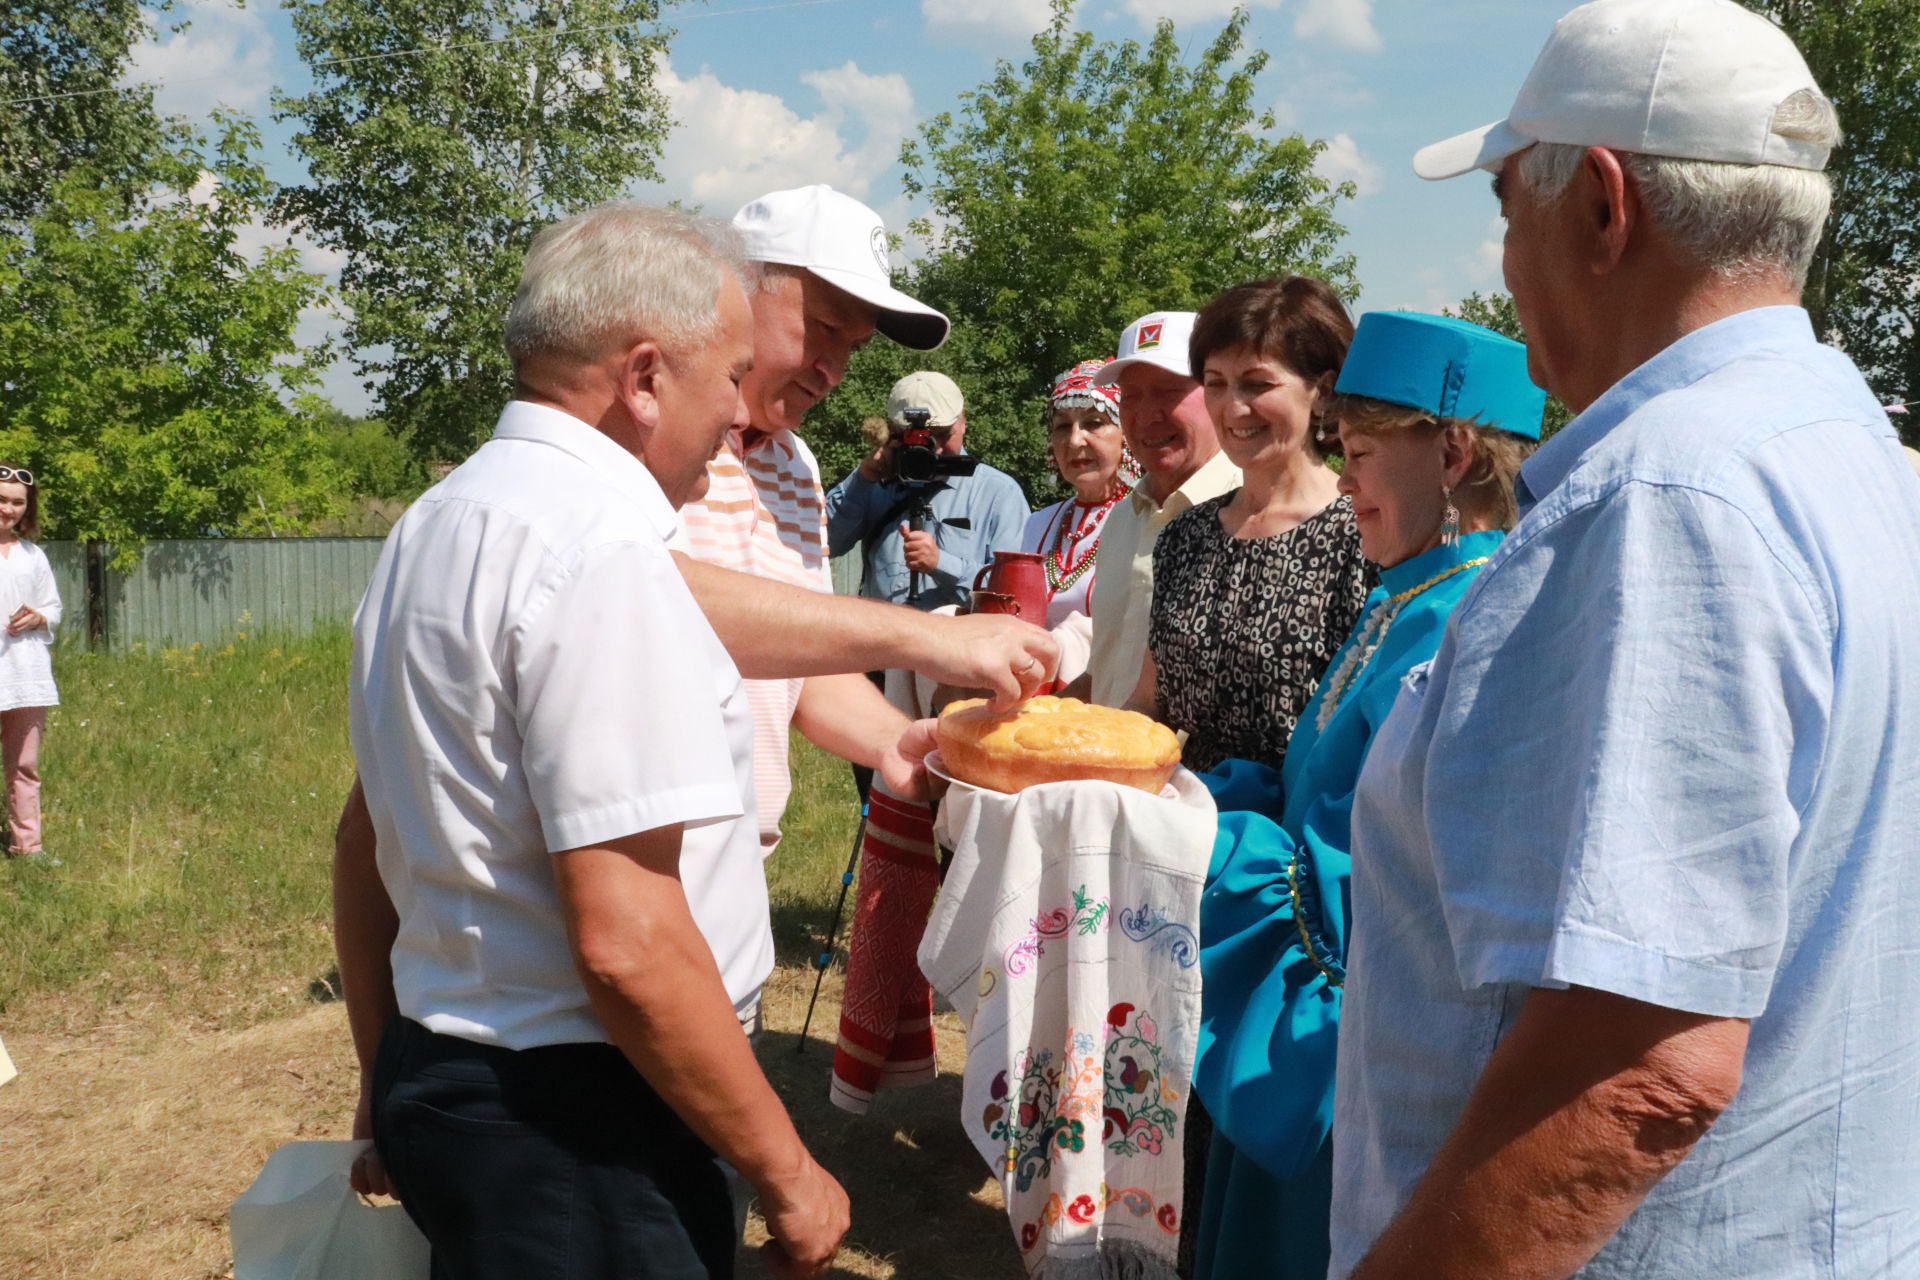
(1089, 453)
(1435, 416)
(1254, 590)
(32, 605)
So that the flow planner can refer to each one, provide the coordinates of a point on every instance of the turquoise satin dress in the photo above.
(1273, 934)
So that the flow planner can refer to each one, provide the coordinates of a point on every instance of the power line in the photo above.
(448, 48)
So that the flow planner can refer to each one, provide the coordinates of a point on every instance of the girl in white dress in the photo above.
(31, 603)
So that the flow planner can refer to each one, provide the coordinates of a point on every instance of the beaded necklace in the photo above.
(1372, 632)
(1061, 574)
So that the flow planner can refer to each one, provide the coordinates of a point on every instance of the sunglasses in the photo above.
(15, 473)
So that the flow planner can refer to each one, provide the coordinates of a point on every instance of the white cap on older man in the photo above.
(1686, 79)
(1158, 338)
(843, 242)
(934, 392)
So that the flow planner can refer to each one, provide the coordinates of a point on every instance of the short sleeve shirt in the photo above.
(1670, 749)
(531, 675)
(764, 513)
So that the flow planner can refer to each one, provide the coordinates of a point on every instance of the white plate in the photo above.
(938, 768)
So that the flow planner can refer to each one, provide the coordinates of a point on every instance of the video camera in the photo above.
(914, 457)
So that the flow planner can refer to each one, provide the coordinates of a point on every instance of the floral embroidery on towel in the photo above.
(1065, 937)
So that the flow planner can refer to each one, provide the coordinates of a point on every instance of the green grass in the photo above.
(190, 798)
(803, 876)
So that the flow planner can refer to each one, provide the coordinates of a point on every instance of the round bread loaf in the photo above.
(1048, 739)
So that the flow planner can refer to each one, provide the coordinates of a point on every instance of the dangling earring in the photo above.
(1449, 519)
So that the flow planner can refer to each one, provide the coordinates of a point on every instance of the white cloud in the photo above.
(989, 24)
(730, 145)
(223, 59)
(1342, 162)
(1348, 23)
(1476, 271)
(252, 238)
(1312, 86)
(1486, 271)
(1183, 12)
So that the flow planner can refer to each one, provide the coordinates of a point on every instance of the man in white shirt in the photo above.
(1163, 415)
(568, 919)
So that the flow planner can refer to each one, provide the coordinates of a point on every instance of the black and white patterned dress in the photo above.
(1243, 630)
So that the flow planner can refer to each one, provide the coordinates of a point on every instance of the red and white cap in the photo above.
(843, 242)
(1687, 79)
(1158, 338)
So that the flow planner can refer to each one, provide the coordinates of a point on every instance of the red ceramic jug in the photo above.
(1021, 578)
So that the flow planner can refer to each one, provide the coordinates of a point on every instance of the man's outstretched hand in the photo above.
(1009, 658)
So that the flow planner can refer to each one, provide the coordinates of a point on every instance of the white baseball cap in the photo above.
(1158, 338)
(1689, 79)
(934, 392)
(844, 243)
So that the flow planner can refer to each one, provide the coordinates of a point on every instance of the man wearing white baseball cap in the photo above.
(1164, 418)
(824, 289)
(1636, 929)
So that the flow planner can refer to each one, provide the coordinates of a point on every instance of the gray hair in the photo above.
(618, 272)
(1736, 219)
(768, 274)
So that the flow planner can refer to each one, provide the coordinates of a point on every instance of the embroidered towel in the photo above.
(1065, 939)
(886, 1007)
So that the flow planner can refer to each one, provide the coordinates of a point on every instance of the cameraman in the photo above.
(934, 534)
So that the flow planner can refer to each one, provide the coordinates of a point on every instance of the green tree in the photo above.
(61, 67)
(369, 460)
(144, 360)
(1864, 290)
(1096, 182)
(432, 170)
(1495, 311)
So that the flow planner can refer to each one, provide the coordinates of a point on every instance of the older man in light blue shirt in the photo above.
(1636, 900)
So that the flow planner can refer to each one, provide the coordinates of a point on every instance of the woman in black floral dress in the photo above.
(1256, 590)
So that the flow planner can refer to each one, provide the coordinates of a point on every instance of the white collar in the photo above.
(542, 424)
(1185, 496)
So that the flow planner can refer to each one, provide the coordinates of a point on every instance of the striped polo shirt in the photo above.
(765, 514)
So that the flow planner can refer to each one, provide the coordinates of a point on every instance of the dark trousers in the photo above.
(557, 1163)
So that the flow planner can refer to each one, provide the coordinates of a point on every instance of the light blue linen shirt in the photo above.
(1670, 749)
(989, 500)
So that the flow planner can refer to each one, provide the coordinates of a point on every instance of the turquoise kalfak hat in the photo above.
(1447, 367)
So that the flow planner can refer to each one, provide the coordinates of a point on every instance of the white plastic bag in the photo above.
(301, 1220)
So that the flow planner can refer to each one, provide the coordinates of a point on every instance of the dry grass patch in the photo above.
(125, 1148)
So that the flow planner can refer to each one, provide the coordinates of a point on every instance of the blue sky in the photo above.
(774, 93)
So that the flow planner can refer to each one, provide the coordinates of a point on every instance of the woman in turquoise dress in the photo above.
(1436, 416)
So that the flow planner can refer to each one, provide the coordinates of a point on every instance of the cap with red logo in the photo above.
(1159, 338)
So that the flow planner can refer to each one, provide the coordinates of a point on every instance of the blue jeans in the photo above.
(556, 1163)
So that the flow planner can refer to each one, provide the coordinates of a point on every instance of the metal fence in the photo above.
(207, 590)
